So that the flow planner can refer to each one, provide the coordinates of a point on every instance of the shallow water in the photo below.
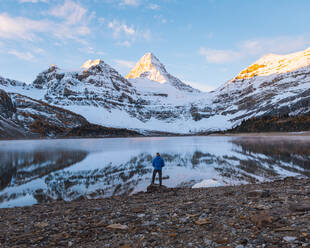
(41, 170)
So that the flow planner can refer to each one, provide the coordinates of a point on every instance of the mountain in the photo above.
(149, 67)
(24, 117)
(93, 84)
(7, 127)
(274, 85)
(151, 100)
(33, 118)
(276, 64)
(10, 83)
(100, 94)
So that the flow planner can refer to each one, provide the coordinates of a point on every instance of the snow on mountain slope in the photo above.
(104, 97)
(89, 63)
(273, 85)
(98, 85)
(276, 64)
(10, 85)
(164, 93)
(150, 100)
(151, 68)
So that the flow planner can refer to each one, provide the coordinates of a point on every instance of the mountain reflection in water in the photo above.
(106, 167)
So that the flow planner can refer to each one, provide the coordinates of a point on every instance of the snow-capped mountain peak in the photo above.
(149, 67)
(276, 64)
(89, 63)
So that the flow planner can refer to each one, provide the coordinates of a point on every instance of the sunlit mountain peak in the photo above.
(276, 64)
(89, 63)
(149, 67)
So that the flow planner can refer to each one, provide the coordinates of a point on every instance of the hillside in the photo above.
(24, 117)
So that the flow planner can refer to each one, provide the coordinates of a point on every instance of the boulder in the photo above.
(154, 188)
(258, 194)
(300, 207)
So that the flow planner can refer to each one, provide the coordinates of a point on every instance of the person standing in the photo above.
(158, 163)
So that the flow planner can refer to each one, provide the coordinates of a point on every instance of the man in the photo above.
(158, 163)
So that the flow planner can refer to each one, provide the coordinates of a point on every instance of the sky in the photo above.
(205, 43)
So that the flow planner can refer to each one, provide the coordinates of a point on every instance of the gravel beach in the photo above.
(272, 214)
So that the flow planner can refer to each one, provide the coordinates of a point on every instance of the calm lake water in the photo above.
(41, 170)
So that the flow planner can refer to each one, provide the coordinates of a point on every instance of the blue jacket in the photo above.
(158, 163)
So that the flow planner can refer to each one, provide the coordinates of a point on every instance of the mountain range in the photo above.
(149, 99)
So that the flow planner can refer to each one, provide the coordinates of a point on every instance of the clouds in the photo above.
(20, 27)
(63, 23)
(72, 23)
(125, 63)
(130, 2)
(120, 29)
(138, 3)
(127, 34)
(201, 86)
(284, 44)
(123, 66)
(219, 56)
(22, 55)
(70, 11)
(27, 55)
(60, 24)
(254, 48)
(153, 6)
(160, 18)
(74, 20)
(125, 43)
(33, 1)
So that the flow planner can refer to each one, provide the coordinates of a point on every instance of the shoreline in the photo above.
(263, 134)
(255, 134)
(272, 214)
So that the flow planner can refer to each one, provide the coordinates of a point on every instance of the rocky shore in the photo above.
(273, 214)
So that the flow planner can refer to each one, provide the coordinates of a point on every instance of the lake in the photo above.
(38, 171)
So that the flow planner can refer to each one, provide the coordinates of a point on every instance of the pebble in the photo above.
(275, 215)
(289, 238)
(239, 246)
(117, 226)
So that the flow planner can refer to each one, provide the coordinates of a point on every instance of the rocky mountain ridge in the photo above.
(150, 99)
(24, 117)
(276, 85)
(276, 64)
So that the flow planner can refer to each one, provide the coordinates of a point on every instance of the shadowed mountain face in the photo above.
(32, 118)
(8, 128)
(24, 117)
(95, 169)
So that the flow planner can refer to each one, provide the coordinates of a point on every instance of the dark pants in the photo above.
(154, 175)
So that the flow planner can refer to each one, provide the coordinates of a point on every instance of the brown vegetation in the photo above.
(284, 123)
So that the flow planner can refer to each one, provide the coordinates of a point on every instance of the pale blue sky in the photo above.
(203, 42)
